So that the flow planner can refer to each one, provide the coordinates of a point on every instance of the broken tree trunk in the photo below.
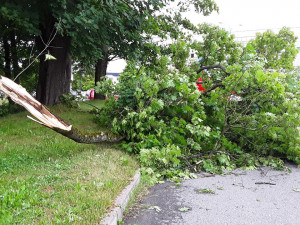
(44, 117)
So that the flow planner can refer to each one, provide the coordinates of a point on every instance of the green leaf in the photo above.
(184, 209)
(223, 159)
(48, 56)
(206, 191)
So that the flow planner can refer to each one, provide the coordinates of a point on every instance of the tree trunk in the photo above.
(7, 59)
(100, 70)
(44, 117)
(14, 56)
(54, 75)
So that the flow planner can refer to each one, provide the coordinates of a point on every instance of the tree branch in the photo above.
(44, 117)
(42, 52)
(213, 88)
(216, 66)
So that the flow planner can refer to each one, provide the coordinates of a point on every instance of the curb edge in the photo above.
(121, 202)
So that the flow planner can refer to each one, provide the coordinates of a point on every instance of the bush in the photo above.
(9, 108)
(4, 109)
(69, 100)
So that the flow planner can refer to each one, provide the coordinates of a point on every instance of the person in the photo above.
(199, 84)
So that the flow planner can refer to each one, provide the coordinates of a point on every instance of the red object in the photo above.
(232, 95)
(92, 94)
(115, 96)
(199, 84)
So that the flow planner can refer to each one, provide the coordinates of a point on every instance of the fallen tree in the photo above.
(43, 116)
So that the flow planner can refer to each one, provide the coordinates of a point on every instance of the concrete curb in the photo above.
(121, 203)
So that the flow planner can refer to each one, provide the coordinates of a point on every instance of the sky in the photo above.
(244, 18)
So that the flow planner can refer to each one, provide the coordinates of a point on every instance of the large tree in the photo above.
(38, 24)
(127, 32)
(84, 29)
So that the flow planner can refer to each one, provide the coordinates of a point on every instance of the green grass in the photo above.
(46, 178)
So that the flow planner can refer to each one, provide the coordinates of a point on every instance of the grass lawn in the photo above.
(46, 178)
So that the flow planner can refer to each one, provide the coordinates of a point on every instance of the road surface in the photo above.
(259, 197)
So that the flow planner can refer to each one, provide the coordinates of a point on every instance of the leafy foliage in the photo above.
(90, 30)
(218, 45)
(248, 113)
(174, 127)
(68, 100)
(83, 81)
(6, 108)
(265, 121)
(180, 53)
(279, 49)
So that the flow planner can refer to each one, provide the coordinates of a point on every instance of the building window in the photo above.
(192, 55)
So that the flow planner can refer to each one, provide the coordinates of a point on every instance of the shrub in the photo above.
(69, 100)
(9, 108)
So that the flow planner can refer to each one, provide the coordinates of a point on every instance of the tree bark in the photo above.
(44, 117)
(100, 70)
(216, 66)
(54, 75)
(14, 56)
(7, 59)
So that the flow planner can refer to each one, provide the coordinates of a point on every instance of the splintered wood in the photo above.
(20, 96)
(43, 116)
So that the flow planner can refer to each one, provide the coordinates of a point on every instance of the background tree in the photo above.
(142, 26)
(279, 50)
(37, 21)
(17, 46)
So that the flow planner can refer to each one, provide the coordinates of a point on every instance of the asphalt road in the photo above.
(259, 197)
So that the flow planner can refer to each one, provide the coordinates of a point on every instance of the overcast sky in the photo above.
(245, 18)
(240, 16)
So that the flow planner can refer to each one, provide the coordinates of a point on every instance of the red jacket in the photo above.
(199, 84)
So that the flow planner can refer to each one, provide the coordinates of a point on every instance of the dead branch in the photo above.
(43, 116)
(269, 183)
